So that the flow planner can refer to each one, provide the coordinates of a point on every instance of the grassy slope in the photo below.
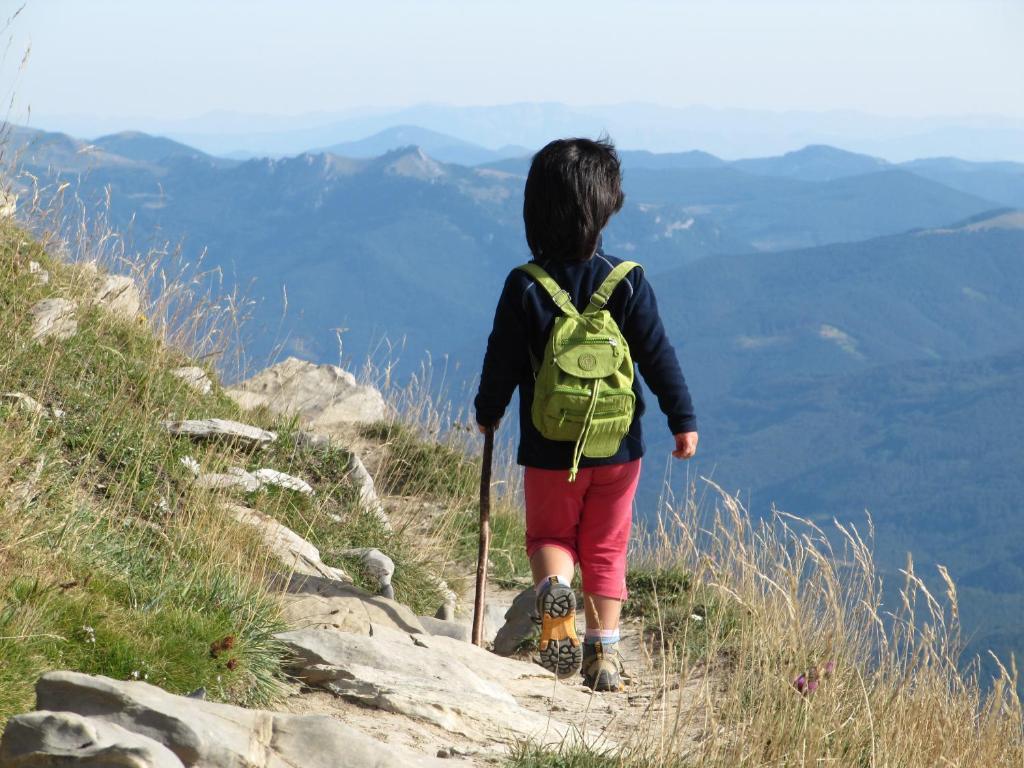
(113, 563)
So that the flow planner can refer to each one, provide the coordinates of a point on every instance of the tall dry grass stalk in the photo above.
(804, 663)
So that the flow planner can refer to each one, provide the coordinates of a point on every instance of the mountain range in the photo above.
(727, 132)
(851, 328)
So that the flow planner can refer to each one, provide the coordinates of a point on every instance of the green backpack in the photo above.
(584, 385)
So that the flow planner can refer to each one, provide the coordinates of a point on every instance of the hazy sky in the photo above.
(181, 58)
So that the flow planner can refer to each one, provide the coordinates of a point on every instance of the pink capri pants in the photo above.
(589, 519)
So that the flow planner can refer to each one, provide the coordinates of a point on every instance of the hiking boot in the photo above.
(560, 649)
(601, 667)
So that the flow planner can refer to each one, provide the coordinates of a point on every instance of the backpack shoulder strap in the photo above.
(604, 291)
(558, 295)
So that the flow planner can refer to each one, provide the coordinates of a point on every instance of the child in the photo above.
(572, 190)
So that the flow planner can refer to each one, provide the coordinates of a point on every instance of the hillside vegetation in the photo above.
(113, 562)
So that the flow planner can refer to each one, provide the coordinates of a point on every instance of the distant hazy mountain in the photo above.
(127, 152)
(729, 133)
(813, 163)
(1003, 182)
(141, 146)
(447, 149)
(669, 161)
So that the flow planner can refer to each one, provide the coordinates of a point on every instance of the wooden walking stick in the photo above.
(485, 538)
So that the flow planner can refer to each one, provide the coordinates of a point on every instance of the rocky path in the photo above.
(375, 685)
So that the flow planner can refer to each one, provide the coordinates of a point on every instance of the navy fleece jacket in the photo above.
(523, 322)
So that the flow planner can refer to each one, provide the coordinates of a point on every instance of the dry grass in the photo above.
(888, 689)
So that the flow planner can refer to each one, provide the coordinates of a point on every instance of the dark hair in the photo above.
(574, 187)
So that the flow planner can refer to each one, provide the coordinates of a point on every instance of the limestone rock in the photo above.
(31, 406)
(423, 679)
(53, 318)
(313, 602)
(292, 550)
(324, 396)
(205, 734)
(518, 625)
(461, 628)
(457, 630)
(8, 204)
(233, 479)
(42, 276)
(25, 491)
(305, 438)
(368, 498)
(28, 404)
(378, 565)
(119, 294)
(241, 479)
(282, 480)
(203, 429)
(52, 739)
(195, 377)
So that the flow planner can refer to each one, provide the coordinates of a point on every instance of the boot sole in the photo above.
(560, 649)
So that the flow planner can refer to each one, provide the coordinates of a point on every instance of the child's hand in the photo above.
(686, 445)
(483, 429)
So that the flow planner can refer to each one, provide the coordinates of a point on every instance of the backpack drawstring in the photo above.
(588, 421)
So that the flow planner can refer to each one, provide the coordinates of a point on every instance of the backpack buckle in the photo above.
(561, 298)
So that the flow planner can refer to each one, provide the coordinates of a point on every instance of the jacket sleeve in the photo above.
(507, 355)
(654, 354)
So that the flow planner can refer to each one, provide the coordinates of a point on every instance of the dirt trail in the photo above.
(647, 708)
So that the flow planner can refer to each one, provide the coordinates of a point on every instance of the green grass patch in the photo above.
(414, 466)
(686, 617)
(537, 757)
(509, 565)
(531, 755)
(111, 597)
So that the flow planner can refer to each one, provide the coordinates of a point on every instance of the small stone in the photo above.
(297, 554)
(368, 498)
(457, 630)
(27, 403)
(378, 565)
(326, 397)
(204, 429)
(53, 318)
(42, 276)
(195, 377)
(8, 204)
(305, 439)
(282, 480)
(443, 753)
(234, 478)
(119, 294)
